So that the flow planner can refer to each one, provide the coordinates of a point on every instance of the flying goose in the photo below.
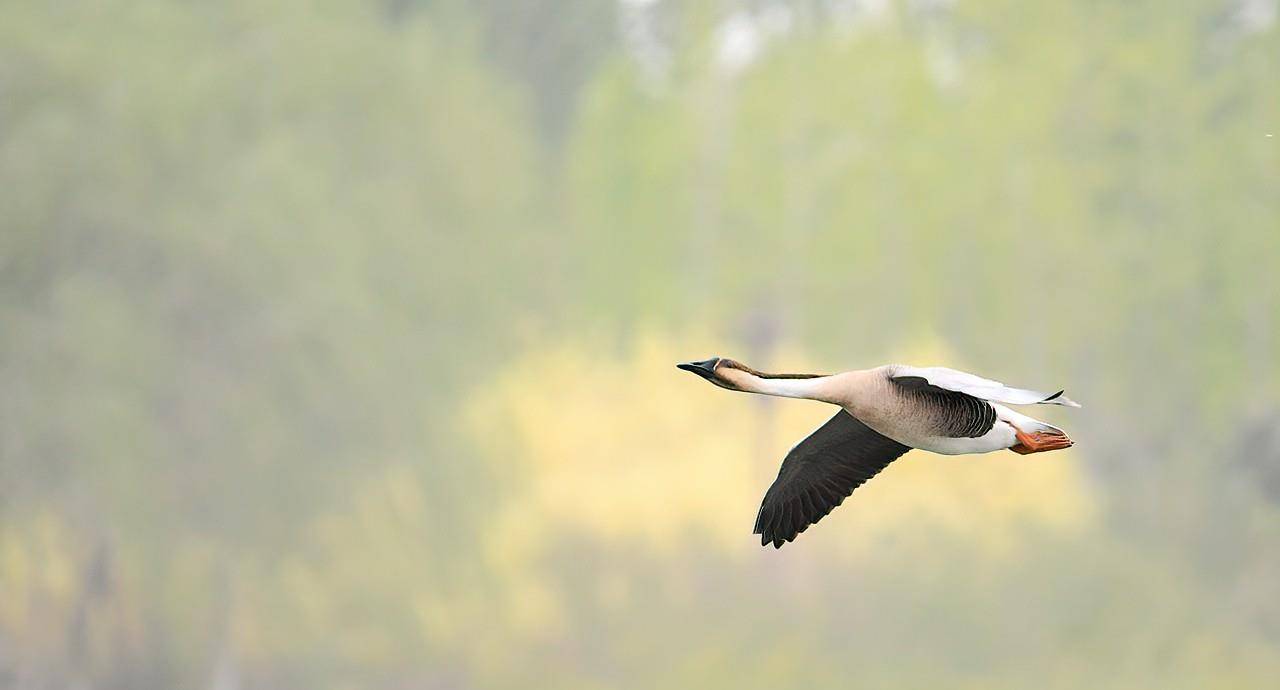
(886, 411)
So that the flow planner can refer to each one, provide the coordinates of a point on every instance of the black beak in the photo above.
(706, 368)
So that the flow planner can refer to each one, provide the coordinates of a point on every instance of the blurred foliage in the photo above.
(338, 337)
(654, 493)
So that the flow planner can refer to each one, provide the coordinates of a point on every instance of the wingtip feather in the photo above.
(1060, 399)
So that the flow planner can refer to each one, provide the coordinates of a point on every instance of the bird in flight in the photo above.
(886, 411)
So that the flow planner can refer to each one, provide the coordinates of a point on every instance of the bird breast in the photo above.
(919, 418)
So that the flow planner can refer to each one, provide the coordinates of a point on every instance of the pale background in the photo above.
(337, 341)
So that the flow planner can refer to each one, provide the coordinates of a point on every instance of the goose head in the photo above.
(736, 376)
(713, 370)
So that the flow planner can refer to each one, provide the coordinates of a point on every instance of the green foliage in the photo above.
(286, 292)
(236, 278)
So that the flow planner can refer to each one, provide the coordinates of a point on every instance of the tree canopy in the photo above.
(337, 340)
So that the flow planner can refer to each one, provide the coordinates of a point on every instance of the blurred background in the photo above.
(337, 341)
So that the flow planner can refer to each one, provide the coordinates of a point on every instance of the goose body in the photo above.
(886, 411)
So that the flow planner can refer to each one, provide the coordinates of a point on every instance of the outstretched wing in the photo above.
(978, 387)
(819, 473)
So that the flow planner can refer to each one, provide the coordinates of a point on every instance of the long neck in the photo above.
(822, 388)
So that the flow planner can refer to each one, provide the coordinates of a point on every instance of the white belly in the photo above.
(1000, 437)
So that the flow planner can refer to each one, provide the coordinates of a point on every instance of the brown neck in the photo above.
(763, 375)
(809, 386)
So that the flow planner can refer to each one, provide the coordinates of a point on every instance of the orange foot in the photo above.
(1039, 441)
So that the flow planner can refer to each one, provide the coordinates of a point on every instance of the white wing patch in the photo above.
(978, 387)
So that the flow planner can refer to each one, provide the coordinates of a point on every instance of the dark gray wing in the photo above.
(819, 473)
(949, 413)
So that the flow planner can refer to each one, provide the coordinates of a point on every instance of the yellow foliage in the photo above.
(629, 449)
(362, 585)
(630, 454)
(36, 567)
